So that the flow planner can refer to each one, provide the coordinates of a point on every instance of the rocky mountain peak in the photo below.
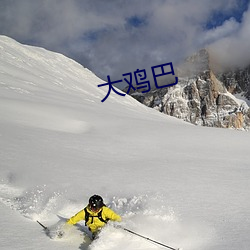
(196, 64)
(204, 95)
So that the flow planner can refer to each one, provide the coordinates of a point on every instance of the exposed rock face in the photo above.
(201, 98)
(237, 81)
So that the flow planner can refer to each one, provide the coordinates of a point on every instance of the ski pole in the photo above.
(146, 238)
(45, 228)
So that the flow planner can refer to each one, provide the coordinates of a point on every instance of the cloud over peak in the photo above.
(115, 37)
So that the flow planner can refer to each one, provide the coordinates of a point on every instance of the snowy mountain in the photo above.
(237, 81)
(204, 95)
(182, 185)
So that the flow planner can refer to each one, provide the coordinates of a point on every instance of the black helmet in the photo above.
(96, 202)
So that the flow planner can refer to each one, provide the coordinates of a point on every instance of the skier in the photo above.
(95, 214)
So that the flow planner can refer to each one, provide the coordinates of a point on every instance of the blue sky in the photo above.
(218, 17)
(113, 37)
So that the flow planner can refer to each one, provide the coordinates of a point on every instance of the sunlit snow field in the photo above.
(182, 185)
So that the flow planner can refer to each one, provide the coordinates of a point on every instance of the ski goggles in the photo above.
(94, 208)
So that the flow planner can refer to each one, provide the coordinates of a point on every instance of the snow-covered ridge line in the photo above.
(62, 72)
(31, 62)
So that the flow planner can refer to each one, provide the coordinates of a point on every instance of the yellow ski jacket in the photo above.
(94, 223)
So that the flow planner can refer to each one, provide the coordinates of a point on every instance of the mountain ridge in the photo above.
(204, 94)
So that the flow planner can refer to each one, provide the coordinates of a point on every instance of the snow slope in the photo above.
(176, 183)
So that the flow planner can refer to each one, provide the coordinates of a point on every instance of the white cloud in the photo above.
(97, 33)
(233, 50)
(226, 29)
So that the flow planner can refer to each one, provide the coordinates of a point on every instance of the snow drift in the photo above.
(182, 185)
